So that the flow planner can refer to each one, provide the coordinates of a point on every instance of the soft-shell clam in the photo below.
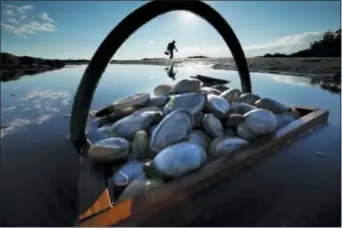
(234, 120)
(140, 144)
(110, 149)
(159, 101)
(218, 105)
(231, 95)
(128, 172)
(284, 119)
(272, 105)
(179, 159)
(247, 98)
(257, 122)
(210, 90)
(212, 125)
(199, 137)
(220, 87)
(162, 90)
(195, 102)
(128, 126)
(186, 86)
(240, 108)
(139, 186)
(225, 145)
(173, 128)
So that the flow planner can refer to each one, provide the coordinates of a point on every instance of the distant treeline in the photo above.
(328, 46)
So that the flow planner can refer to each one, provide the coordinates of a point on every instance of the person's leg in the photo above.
(171, 54)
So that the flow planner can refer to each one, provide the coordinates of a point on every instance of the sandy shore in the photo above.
(306, 67)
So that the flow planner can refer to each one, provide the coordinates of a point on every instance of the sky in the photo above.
(75, 29)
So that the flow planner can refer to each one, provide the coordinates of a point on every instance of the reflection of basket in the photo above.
(139, 209)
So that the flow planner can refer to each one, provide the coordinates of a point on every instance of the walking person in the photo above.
(170, 47)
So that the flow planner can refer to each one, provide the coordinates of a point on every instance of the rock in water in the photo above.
(128, 126)
(240, 108)
(173, 128)
(212, 125)
(231, 95)
(110, 149)
(162, 90)
(140, 144)
(159, 101)
(127, 173)
(247, 98)
(226, 145)
(180, 158)
(257, 122)
(135, 99)
(272, 105)
(284, 120)
(234, 120)
(210, 90)
(218, 105)
(195, 102)
(200, 138)
(186, 86)
(140, 186)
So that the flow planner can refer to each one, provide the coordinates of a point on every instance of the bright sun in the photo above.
(188, 17)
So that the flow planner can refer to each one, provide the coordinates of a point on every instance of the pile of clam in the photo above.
(178, 130)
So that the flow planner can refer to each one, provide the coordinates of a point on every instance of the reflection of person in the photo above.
(170, 72)
(170, 47)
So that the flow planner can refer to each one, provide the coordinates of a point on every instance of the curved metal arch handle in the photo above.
(121, 32)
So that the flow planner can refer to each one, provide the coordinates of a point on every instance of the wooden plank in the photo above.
(144, 206)
(103, 203)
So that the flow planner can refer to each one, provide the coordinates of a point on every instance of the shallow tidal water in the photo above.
(299, 186)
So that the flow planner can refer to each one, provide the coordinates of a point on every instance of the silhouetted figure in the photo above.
(170, 47)
(170, 72)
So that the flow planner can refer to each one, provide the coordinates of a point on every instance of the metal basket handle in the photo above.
(117, 37)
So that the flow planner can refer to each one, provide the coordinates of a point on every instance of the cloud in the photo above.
(45, 17)
(287, 44)
(21, 22)
(151, 42)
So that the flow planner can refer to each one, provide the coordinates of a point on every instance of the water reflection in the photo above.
(170, 72)
(328, 84)
(13, 75)
(35, 107)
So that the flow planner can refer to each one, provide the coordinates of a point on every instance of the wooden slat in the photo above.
(152, 202)
(103, 203)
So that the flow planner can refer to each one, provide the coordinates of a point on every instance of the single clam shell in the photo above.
(140, 186)
(200, 138)
(140, 144)
(110, 149)
(135, 99)
(127, 173)
(218, 105)
(162, 90)
(139, 120)
(210, 90)
(179, 159)
(147, 109)
(173, 128)
(186, 86)
(272, 105)
(226, 145)
(284, 119)
(220, 87)
(240, 108)
(159, 101)
(195, 102)
(212, 125)
(247, 98)
(231, 95)
(234, 120)
(257, 122)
